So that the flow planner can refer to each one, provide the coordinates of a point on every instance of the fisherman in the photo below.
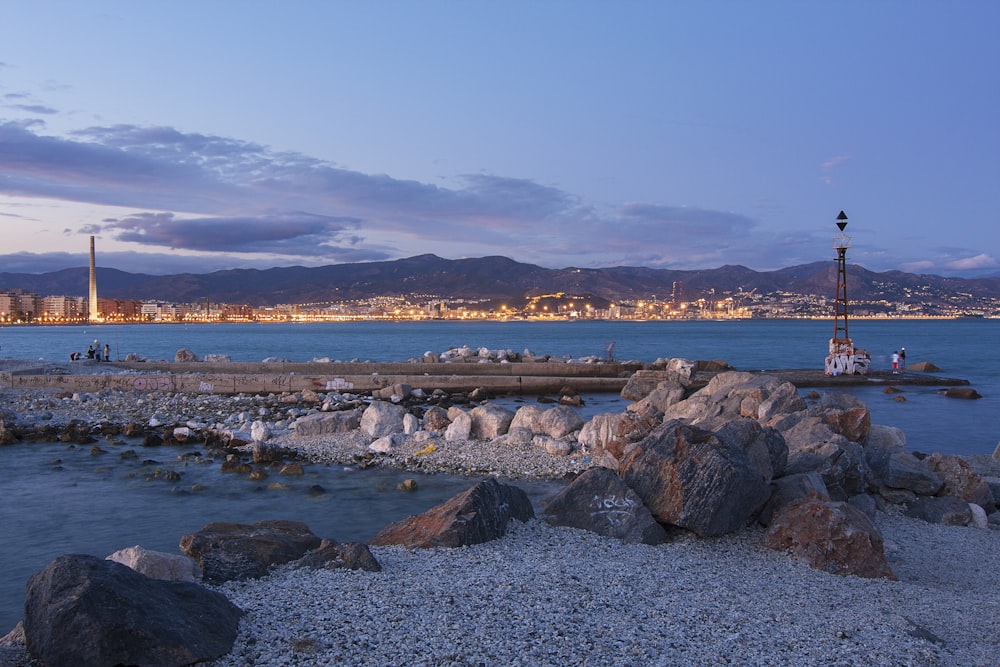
(895, 363)
(902, 360)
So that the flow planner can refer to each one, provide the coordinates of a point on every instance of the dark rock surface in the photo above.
(82, 611)
(228, 551)
(599, 501)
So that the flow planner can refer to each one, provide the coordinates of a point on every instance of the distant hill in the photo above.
(490, 278)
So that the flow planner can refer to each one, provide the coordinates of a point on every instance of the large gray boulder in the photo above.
(894, 469)
(381, 418)
(605, 436)
(599, 501)
(83, 611)
(947, 510)
(560, 421)
(490, 421)
(735, 394)
(325, 423)
(813, 444)
(664, 396)
(692, 478)
(158, 564)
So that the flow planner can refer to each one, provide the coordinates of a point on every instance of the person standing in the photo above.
(107, 352)
(902, 360)
(895, 363)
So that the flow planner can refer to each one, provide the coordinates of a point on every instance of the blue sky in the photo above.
(197, 136)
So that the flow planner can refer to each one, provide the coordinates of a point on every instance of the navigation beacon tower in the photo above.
(841, 242)
(843, 357)
(93, 315)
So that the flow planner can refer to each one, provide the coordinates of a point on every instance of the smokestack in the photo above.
(93, 284)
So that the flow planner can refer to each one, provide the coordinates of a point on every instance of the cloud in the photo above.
(282, 233)
(980, 261)
(208, 194)
(832, 165)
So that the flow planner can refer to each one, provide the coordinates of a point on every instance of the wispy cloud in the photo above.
(832, 165)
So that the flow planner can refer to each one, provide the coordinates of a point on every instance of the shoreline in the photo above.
(563, 596)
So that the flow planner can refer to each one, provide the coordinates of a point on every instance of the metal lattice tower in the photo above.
(841, 242)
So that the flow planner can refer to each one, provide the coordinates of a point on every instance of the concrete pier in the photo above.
(514, 378)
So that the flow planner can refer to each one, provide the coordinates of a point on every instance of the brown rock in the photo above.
(831, 536)
(436, 418)
(475, 516)
(923, 367)
(962, 392)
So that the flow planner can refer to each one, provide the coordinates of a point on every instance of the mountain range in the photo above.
(494, 279)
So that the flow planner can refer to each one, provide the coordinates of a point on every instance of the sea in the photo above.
(56, 499)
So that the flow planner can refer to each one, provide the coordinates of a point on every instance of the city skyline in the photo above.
(669, 135)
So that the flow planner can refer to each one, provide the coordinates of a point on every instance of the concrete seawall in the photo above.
(514, 378)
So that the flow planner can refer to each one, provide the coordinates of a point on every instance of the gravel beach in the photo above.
(558, 596)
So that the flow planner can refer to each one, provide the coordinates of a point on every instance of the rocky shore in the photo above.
(544, 593)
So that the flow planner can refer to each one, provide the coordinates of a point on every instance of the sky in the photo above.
(192, 136)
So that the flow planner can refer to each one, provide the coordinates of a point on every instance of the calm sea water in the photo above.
(56, 500)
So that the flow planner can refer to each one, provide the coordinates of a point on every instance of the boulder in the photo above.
(477, 515)
(529, 417)
(460, 427)
(845, 414)
(643, 382)
(553, 446)
(607, 436)
(961, 480)
(896, 469)
(184, 355)
(82, 610)
(599, 501)
(158, 564)
(733, 394)
(381, 418)
(490, 421)
(814, 445)
(889, 437)
(436, 418)
(559, 421)
(962, 392)
(234, 551)
(260, 432)
(659, 400)
(332, 555)
(923, 367)
(831, 536)
(947, 510)
(326, 423)
(269, 452)
(792, 487)
(692, 478)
